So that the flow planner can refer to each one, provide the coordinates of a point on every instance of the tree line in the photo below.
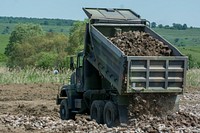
(176, 26)
(41, 21)
(51, 25)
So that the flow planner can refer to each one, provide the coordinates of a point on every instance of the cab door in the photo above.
(79, 73)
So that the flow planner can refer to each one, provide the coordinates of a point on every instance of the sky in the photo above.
(163, 12)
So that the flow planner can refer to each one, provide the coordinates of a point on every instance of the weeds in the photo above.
(193, 78)
(35, 75)
(32, 75)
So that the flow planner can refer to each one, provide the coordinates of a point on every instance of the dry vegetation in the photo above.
(35, 75)
(193, 78)
(32, 75)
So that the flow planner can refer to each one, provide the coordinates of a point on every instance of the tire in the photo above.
(65, 113)
(96, 111)
(111, 115)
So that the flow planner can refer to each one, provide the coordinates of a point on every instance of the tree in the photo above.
(160, 26)
(6, 30)
(76, 37)
(46, 59)
(50, 30)
(176, 40)
(30, 46)
(153, 25)
(179, 26)
(21, 33)
(184, 26)
(46, 22)
(166, 26)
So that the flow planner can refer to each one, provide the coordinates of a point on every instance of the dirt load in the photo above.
(136, 43)
(32, 108)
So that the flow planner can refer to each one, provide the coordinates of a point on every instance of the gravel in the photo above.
(178, 122)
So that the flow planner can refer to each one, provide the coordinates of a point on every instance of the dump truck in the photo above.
(105, 79)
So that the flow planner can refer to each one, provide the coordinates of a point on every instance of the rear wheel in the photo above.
(65, 113)
(111, 116)
(96, 111)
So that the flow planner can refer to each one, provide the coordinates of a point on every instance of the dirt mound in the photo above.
(180, 121)
(136, 43)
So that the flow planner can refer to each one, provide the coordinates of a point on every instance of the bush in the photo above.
(46, 60)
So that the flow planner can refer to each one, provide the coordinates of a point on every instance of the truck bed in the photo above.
(133, 74)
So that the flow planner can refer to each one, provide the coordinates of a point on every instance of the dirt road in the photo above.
(32, 108)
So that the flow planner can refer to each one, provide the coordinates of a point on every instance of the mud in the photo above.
(136, 43)
(32, 108)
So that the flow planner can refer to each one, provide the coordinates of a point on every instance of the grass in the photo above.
(193, 78)
(187, 41)
(32, 75)
(188, 37)
(193, 51)
(3, 42)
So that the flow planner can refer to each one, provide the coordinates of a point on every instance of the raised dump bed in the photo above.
(130, 74)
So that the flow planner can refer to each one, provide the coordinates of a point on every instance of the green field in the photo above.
(3, 42)
(188, 37)
(194, 51)
(187, 41)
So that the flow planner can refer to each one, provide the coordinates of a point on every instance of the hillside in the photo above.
(188, 37)
(50, 25)
(187, 41)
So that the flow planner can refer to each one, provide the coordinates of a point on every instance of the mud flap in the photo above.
(123, 114)
(123, 102)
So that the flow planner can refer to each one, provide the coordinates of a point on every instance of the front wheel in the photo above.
(111, 115)
(65, 113)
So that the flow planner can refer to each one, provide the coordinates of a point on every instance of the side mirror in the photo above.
(71, 63)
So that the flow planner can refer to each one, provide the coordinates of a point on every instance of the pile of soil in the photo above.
(136, 43)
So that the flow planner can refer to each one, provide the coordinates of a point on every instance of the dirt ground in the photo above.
(32, 108)
(30, 100)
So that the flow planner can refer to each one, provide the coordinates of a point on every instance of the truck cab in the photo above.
(78, 73)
